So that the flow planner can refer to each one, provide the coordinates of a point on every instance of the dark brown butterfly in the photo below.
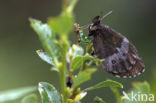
(120, 56)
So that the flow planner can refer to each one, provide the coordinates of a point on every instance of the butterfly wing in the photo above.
(120, 56)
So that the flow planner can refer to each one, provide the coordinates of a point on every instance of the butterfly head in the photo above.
(95, 25)
(96, 20)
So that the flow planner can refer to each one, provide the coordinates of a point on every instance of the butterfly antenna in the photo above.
(84, 26)
(106, 15)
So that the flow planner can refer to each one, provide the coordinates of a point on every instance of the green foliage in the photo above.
(108, 83)
(45, 57)
(143, 87)
(138, 89)
(48, 93)
(84, 38)
(14, 94)
(76, 62)
(98, 100)
(71, 5)
(47, 38)
(30, 99)
(83, 77)
(76, 50)
(117, 94)
(62, 24)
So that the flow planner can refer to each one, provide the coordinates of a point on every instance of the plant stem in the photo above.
(72, 5)
(74, 93)
(63, 83)
(64, 5)
(63, 67)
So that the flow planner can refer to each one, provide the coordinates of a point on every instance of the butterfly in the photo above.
(120, 56)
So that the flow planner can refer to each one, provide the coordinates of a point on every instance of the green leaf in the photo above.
(83, 77)
(78, 50)
(45, 57)
(14, 94)
(80, 96)
(98, 100)
(96, 60)
(108, 83)
(75, 50)
(144, 87)
(62, 24)
(117, 94)
(139, 88)
(30, 99)
(84, 38)
(54, 68)
(76, 62)
(48, 93)
(47, 38)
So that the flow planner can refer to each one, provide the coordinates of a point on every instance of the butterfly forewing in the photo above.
(120, 56)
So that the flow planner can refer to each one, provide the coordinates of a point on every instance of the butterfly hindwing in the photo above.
(120, 56)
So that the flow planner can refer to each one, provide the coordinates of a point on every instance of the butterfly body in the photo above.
(120, 56)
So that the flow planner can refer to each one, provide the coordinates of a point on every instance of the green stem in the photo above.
(63, 84)
(72, 5)
(64, 5)
(83, 67)
(74, 93)
(63, 67)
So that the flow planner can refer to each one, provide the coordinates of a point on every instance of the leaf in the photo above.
(54, 69)
(96, 60)
(108, 83)
(48, 93)
(76, 62)
(139, 88)
(78, 50)
(30, 99)
(80, 96)
(47, 38)
(62, 24)
(45, 57)
(84, 38)
(14, 94)
(144, 87)
(75, 50)
(98, 100)
(83, 77)
(117, 94)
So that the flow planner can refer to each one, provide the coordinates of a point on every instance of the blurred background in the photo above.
(20, 66)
